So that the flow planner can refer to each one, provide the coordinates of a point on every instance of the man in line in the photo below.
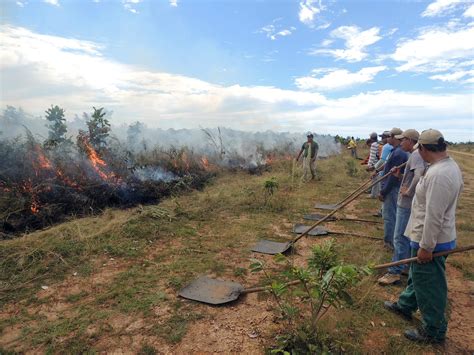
(373, 157)
(384, 153)
(390, 187)
(310, 149)
(413, 171)
(431, 228)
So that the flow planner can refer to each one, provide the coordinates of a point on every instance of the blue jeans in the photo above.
(400, 242)
(389, 213)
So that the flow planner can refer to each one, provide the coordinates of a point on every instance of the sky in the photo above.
(326, 66)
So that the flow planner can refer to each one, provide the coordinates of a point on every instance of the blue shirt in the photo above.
(386, 150)
(397, 157)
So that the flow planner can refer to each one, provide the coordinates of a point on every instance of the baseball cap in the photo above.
(309, 134)
(385, 134)
(410, 134)
(396, 131)
(430, 136)
(373, 135)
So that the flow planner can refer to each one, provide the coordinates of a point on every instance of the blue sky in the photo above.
(347, 67)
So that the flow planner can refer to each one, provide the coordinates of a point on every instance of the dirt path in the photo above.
(461, 322)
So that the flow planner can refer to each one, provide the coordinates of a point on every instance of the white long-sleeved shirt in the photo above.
(432, 223)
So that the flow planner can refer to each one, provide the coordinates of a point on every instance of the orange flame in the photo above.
(27, 186)
(205, 163)
(98, 164)
(41, 162)
(270, 159)
(184, 158)
(34, 205)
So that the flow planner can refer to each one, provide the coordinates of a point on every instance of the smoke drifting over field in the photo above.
(230, 144)
(51, 169)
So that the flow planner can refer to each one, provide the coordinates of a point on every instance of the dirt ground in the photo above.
(248, 325)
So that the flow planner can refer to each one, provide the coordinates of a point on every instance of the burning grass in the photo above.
(41, 187)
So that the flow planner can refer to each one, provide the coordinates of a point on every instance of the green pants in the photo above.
(427, 290)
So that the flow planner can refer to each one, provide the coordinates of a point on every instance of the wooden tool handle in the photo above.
(409, 260)
(344, 204)
(265, 288)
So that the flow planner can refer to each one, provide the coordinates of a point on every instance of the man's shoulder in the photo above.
(447, 170)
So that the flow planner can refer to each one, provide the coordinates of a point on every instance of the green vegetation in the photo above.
(115, 276)
(323, 283)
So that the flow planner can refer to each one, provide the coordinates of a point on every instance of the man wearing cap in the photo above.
(310, 152)
(431, 228)
(373, 154)
(390, 187)
(413, 171)
(385, 149)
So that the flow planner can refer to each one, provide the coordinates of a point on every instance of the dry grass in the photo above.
(113, 278)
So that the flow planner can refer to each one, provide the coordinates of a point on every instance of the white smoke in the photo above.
(231, 145)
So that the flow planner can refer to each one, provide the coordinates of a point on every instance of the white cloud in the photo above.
(326, 42)
(41, 70)
(52, 2)
(356, 42)
(455, 76)
(469, 12)
(308, 10)
(174, 3)
(129, 5)
(310, 14)
(440, 8)
(21, 3)
(271, 31)
(334, 79)
(435, 49)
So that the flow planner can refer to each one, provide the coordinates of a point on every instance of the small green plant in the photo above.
(269, 188)
(351, 168)
(319, 286)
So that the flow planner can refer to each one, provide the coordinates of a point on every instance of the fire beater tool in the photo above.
(216, 292)
(409, 260)
(317, 217)
(271, 247)
(212, 291)
(300, 228)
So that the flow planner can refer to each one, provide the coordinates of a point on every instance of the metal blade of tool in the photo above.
(212, 291)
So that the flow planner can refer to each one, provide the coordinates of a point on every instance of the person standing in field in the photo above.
(431, 228)
(385, 149)
(413, 171)
(310, 152)
(352, 145)
(373, 158)
(390, 187)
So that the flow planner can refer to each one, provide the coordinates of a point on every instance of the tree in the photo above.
(133, 133)
(99, 128)
(57, 126)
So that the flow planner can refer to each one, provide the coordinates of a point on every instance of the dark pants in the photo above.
(427, 290)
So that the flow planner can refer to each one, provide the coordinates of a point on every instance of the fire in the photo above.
(27, 187)
(97, 163)
(270, 159)
(66, 180)
(41, 162)
(205, 163)
(34, 206)
(184, 158)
